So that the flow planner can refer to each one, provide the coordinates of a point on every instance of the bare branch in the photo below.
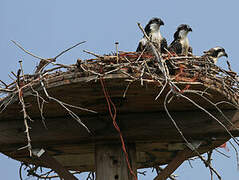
(18, 45)
(69, 49)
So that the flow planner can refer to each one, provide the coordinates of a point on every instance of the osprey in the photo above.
(180, 44)
(152, 29)
(214, 53)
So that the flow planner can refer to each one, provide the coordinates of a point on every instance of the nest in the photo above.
(173, 75)
(145, 68)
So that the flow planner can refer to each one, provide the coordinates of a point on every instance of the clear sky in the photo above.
(47, 27)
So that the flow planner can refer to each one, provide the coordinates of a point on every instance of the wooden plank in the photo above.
(54, 164)
(111, 163)
(136, 126)
(74, 158)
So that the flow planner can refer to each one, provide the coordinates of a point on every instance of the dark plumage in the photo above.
(214, 53)
(180, 44)
(152, 29)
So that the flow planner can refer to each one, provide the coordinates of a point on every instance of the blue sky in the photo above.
(48, 27)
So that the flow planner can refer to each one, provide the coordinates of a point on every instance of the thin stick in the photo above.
(69, 49)
(222, 153)
(235, 140)
(73, 115)
(229, 66)
(237, 156)
(117, 51)
(96, 55)
(22, 70)
(25, 117)
(18, 45)
(219, 110)
(4, 83)
(189, 144)
(126, 90)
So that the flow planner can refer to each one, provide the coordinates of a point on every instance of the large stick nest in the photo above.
(175, 77)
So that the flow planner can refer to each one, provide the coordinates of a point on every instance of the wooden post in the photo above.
(111, 163)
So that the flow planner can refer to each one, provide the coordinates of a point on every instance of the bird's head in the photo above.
(216, 53)
(153, 25)
(182, 31)
(220, 52)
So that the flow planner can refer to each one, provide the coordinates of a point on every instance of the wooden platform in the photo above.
(142, 120)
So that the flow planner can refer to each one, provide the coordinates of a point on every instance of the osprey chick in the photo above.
(180, 44)
(152, 29)
(214, 53)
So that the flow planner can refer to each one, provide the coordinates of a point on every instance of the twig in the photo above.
(189, 144)
(91, 176)
(229, 66)
(218, 109)
(6, 90)
(142, 173)
(4, 83)
(40, 105)
(33, 171)
(73, 115)
(190, 164)
(26, 118)
(68, 49)
(222, 153)
(91, 53)
(237, 156)
(20, 62)
(126, 89)
(235, 140)
(18, 45)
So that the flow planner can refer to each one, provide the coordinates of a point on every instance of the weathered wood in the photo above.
(111, 163)
(90, 95)
(152, 133)
(174, 164)
(54, 164)
(142, 120)
(140, 126)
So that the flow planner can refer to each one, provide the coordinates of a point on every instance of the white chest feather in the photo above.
(185, 45)
(214, 59)
(156, 36)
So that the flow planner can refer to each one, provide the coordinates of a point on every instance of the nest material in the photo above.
(162, 70)
(142, 68)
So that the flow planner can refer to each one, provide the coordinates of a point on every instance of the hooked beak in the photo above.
(225, 54)
(161, 23)
(190, 29)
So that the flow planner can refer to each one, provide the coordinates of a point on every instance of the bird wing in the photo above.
(176, 47)
(140, 47)
(142, 44)
(190, 49)
(164, 45)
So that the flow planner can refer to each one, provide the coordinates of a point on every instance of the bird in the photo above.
(214, 53)
(152, 29)
(180, 44)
